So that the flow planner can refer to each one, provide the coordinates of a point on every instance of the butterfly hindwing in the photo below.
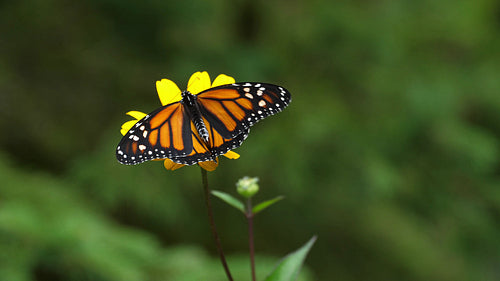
(216, 146)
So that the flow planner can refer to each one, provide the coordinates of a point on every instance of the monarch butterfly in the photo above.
(201, 127)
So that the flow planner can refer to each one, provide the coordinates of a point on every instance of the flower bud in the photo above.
(247, 186)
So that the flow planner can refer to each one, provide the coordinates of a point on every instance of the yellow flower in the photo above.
(168, 92)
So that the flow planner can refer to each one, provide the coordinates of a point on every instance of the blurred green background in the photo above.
(389, 151)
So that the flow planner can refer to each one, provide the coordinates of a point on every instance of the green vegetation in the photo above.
(389, 151)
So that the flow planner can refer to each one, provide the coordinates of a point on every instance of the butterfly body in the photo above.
(203, 126)
(193, 109)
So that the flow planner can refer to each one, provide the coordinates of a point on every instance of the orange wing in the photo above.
(164, 133)
(232, 109)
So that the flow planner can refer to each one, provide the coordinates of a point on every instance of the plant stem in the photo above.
(249, 215)
(204, 179)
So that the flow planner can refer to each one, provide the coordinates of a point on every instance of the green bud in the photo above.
(247, 186)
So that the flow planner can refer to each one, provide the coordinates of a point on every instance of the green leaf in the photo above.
(229, 200)
(288, 269)
(265, 204)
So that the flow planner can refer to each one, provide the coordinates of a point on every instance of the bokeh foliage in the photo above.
(389, 150)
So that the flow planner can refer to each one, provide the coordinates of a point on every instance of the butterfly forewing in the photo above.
(164, 133)
(233, 108)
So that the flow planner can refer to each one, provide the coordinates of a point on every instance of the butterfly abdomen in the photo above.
(200, 127)
(189, 101)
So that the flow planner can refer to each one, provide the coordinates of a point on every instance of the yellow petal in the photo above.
(232, 155)
(170, 165)
(209, 165)
(136, 114)
(168, 92)
(127, 126)
(198, 82)
(223, 79)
